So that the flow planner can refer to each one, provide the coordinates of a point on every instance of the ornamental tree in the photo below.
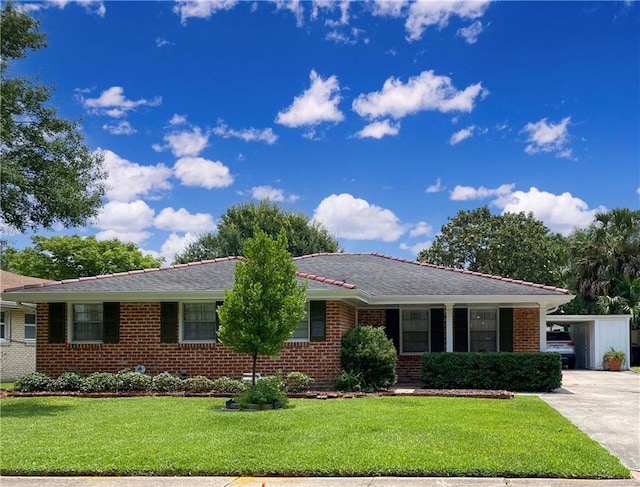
(266, 302)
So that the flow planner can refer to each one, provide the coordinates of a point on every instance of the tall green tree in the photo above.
(239, 223)
(605, 262)
(266, 302)
(73, 256)
(48, 175)
(512, 245)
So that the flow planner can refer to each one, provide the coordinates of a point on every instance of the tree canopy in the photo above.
(48, 175)
(512, 245)
(266, 302)
(239, 223)
(70, 257)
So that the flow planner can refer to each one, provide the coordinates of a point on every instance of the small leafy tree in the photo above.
(367, 353)
(266, 302)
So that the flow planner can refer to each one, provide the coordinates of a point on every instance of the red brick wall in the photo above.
(140, 344)
(373, 317)
(526, 330)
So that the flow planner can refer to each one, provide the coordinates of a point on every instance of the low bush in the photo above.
(133, 381)
(33, 382)
(348, 381)
(366, 351)
(502, 371)
(67, 381)
(265, 391)
(100, 382)
(227, 385)
(166, 382)
(298, 382)
(198, 383)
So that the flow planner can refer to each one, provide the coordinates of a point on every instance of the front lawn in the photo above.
(402, 436)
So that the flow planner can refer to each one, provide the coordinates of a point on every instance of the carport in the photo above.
(593, 335)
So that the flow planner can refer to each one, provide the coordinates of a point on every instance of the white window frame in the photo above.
(35, 330)
(6, 322)
(181, 326)
(497, 331)
(307, 318)
(428, 311)
(71, 322)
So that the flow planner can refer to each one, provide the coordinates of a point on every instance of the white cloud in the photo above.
(177, 119)
(295, 7)
(638, 190)
(161, 42)
(356, 219)
(421, 228)
(91, 6)
(113, 103)
(416, 248)
(389, 8)
(470, 33)
(196, 171)
(128, 180)
(461, 135)
(427, 13)
(435, 188)
(272, 194)
(248, 135)
(183, 221)
(201, 9)
(466, 193)
(377, 130)
(126, 221)
(176, 244)
(185, 143)
(317, 104)
(548, 137)
(123, 127)
(561, 213)
(426, 91)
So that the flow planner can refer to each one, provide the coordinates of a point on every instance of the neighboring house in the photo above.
(166, 320)
(17, 330)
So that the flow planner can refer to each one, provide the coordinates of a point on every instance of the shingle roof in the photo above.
(10, 280)
(370, 274)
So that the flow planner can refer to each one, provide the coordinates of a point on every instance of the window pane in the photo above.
(87, 322)
(30, 319)
(302, 329)
(484, 326)
(199, 323)
(3, 331)
(30, 332)
(415, 330)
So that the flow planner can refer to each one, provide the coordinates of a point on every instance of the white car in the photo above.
(562, 343)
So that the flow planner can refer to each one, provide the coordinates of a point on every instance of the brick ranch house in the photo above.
(166, 320)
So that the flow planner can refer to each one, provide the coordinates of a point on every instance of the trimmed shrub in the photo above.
(133, 381)
(348, 382)
(517, 371)
(166, 382)
(199, 383)
(367, 352)
(33, 382)
(298, 382)
(68, 381)
(100, 382)
(265, 391)
(228, 385)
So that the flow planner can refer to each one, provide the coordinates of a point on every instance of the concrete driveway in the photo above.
(606, 406)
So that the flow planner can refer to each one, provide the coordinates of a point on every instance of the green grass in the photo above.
(403, 436)
(7, 386)
(636, 369)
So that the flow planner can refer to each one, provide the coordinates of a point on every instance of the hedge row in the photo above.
(497, 371)
(127, 381)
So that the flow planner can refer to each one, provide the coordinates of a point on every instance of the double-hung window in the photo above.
(483, 330)
(312, 328)
(414, 326)
(87, 322)
(30, 327)
(4, 326)
(199, 322)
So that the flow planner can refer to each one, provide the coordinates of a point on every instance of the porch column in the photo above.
(543, 326)
(449, 326)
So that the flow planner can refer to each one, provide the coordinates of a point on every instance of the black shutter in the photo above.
(111, 322)
(168, 322)
(506, 329)
(437, 330)
(57, 323)
(318, 320)
(460, 330)
(393, 327)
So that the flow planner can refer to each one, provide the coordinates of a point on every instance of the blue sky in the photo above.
(378, 119)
